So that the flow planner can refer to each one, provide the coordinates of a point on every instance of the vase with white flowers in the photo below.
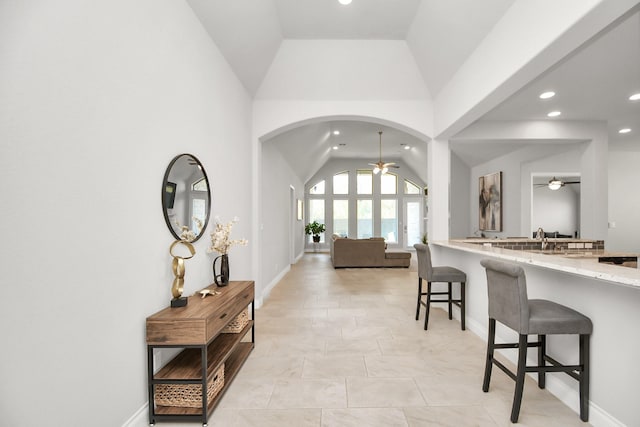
(221, 242)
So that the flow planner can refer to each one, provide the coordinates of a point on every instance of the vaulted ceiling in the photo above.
(440, 34)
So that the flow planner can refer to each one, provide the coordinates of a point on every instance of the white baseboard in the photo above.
(139, 418)
(267, 290)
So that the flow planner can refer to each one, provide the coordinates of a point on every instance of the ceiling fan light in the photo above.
(385, 170)
(376, 170)
(555, 184)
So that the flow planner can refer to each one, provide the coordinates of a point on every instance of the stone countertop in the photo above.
(580, 264)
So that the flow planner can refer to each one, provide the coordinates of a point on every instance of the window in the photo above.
(200, 185)
(365, 219)
(316, 213)
(410, 187)
(389, 219)
(341, 217)
(388, 183)
(341, 183)
(318, 188)
(364, 182)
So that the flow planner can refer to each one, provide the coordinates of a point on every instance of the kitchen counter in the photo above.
(577, 261)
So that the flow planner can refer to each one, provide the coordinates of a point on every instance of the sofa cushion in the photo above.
(397, 254)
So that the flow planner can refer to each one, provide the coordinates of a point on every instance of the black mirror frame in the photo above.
(165, 180)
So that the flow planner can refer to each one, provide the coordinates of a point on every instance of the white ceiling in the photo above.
(592, 84)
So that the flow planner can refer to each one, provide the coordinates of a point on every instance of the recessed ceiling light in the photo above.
(554, 114)
(547, 95)
(335, 147)
(345, 2)
(634, 97)
(407, 147)
(336, 132)
(624, 130)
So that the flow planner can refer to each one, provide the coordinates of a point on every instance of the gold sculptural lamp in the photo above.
(178, 271)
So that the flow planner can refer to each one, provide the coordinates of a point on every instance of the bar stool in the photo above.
(433, 274)
(509, 305)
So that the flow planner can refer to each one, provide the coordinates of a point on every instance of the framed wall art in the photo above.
(300, 210)
(490, 202)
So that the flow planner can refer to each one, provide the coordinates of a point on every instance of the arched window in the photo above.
(410, 187)
(318, 188)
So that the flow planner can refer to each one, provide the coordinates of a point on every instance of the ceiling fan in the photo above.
(381, 166)
(555, 183)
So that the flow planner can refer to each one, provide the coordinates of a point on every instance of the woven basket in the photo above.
(237, 324)
(188, 395)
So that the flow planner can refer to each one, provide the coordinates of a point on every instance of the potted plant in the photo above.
(314, 228)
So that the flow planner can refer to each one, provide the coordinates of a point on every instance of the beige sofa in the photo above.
(347, 252)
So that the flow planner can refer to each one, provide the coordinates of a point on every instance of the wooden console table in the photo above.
(197, 329)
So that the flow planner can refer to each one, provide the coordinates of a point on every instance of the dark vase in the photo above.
(221, 277)
(316, 239)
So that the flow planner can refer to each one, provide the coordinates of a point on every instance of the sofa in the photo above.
(371, 252)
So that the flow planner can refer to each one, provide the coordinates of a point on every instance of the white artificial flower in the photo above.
(221, 240)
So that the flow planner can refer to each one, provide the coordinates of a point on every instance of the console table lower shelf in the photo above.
(191, 385)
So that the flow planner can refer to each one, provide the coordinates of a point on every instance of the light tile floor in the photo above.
(342, 348)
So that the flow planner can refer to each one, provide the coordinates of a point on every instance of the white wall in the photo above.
(275, 231)
(96, 99)
(556, 210)
(460, 199)
(624, 205)
(343, 70)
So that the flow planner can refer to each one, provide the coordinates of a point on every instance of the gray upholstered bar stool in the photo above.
(433, 274)
(509, 305)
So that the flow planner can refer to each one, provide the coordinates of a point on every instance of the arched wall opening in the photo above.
(278, 191)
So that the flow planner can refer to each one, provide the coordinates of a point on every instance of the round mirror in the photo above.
(186, 199)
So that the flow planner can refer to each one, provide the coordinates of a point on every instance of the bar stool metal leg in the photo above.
(419, 297)
(584, 377)
(489, 361)
(462, 306)
(450, 296)
(522, 365)
(426, 316)
(542, 352)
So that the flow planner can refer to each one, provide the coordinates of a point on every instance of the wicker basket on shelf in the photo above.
(188, 395)
(237, 324)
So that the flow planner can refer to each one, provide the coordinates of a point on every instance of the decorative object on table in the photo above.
(221, 242)
(178, 272)
(314, 228)
(186, 198)
(490, 202)
(206, 292)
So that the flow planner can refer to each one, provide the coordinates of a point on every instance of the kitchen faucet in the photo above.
(543, 239)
